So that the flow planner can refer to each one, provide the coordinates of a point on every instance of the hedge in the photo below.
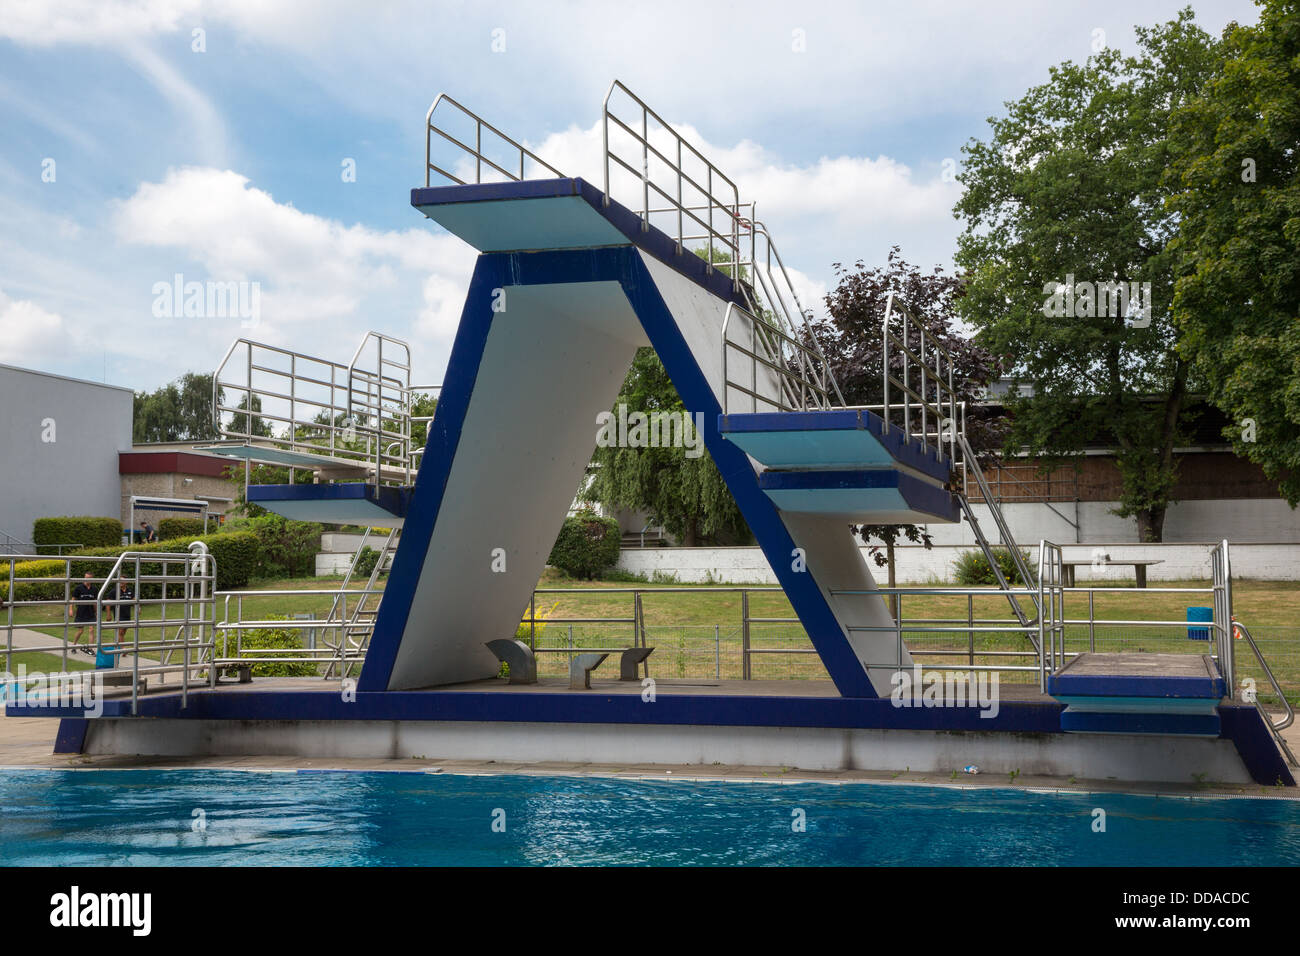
(87, 532)
(170, 528)
(43, 591)
(235, 553)
(286, 549)
(587, 545)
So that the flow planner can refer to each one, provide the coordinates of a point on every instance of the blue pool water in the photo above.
(149, 817)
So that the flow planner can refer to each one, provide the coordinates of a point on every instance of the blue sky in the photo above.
(224, 164)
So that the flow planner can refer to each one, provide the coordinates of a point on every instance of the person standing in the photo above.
(147, 532)
(82, 611)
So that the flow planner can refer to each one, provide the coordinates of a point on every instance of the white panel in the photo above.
(553, 360)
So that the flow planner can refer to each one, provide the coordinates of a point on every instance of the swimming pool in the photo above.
(219, 818)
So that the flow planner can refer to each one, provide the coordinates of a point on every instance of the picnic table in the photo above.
(1138, 565)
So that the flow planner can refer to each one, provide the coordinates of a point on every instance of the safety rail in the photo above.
(703, 205)
(725, 205)
(183, 624)
(802, 378)
(353, 414)
(476, 151)
(939, 408)
(323, 649)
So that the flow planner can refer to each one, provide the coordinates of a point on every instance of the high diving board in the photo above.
(350, 502)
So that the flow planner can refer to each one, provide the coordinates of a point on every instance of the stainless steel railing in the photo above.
(475, 152)
(357, 414)
(175, 617)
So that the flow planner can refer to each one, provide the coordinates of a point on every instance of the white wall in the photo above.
(1255, 520)
(1181, 562)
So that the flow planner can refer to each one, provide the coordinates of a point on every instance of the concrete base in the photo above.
(1153, 759)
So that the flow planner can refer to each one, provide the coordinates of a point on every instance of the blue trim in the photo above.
(1244, 726)
(391, 498)
(435, 470)
(1199, 725)
(230, 703)
(916, 495)
(71, 736)
(422, 196)
(1066, 684)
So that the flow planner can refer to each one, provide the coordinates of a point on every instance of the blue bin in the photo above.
(1200, 615)
(106, 657)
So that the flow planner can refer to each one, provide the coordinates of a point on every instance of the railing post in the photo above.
(970, 624)
(744, 635)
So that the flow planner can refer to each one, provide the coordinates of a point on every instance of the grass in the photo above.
(697, 631)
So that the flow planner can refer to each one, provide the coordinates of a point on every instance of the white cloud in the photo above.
(27, 331)
(323, 283)
(95, 22)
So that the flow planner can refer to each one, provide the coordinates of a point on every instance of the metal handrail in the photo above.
(941, 377)
(795, 390)
(1289, 718)
(476, 151)
(731, 240)
(357, 403)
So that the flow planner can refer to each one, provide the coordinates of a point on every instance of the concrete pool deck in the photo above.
(28, 743)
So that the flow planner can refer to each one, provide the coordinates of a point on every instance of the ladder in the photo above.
(354, 632)
(971, 465)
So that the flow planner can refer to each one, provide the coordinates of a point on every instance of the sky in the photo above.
(274, 144)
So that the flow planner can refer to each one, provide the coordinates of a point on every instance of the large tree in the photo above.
(1064, 209)
(1235, 154)
(684, 493)
(853, 344)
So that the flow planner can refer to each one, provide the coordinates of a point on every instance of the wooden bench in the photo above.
(1139, 567)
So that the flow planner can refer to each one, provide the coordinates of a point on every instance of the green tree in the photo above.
(1236, 167)
(687, 495)
(1064, 209)
(178, 411)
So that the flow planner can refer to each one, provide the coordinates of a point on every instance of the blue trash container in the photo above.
(1199, 615)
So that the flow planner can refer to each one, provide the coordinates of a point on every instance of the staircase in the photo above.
(358, 624)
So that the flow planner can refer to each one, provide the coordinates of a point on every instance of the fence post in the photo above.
(970, 625)
(744, 635)
(717, 652)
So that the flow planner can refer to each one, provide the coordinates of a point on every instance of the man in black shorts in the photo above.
(125, 592)
(82, 610)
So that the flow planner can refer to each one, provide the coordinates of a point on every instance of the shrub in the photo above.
(278, 638)
(235, 554)
(86, 532)
(367, 558)
(41, 591)
(973, 568)
(587, 545)
(170, 528)
(286, 549)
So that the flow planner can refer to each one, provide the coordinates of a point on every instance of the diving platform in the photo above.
(570, 282)
(363, 503)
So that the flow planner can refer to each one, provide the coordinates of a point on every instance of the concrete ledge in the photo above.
(1084, 756)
